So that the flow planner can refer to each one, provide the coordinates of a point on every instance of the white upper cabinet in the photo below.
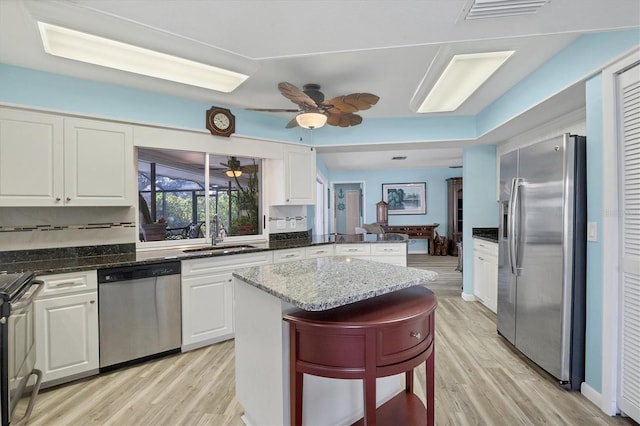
(293, 180)
(99, 164)
(49, 160)
(31, 157)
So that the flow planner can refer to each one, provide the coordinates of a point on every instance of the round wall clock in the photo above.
(220, 121)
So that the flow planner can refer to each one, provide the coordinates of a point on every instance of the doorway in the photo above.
(348, 203)
(320, 223)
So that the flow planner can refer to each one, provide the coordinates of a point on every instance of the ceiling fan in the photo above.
(314, 111)
(233, 167)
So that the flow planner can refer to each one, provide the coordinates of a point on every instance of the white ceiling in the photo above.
(384, 47)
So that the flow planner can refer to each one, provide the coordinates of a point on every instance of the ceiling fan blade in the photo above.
(273, 109)
(296, 95)
(344, 120)
(353, 102)
(292, 123)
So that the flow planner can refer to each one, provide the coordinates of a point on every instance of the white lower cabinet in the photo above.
(395, 254)
(289, 255)
(207, 306)
(325, 250)
(357, 251)
(207, 297)
(66, 327)
(485, 272)
(392, 253)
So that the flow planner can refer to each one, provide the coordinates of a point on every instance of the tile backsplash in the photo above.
(23, 228)
(287, 219)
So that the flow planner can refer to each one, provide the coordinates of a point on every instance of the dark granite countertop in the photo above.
(56, 261)
(488, 234)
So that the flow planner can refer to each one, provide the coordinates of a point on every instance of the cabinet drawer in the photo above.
(388, 249)
(288, 255)
(353, 249)
(485, 248)
(402, 341)
(319, 251)
(208, 265)
(72, 282)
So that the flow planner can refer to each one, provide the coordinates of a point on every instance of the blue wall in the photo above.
(480, 204)
(436, 195)
(593, 361)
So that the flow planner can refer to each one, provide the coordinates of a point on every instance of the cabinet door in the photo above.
(31, 159)
(485, 273)
(207, 309)
(66, 335)
(300, 176)
(479, 277)
(98, 163)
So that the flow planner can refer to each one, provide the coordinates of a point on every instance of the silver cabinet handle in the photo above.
(92, 301)
(68, 198)
(416, 334)
(65, 284)
(57, 199)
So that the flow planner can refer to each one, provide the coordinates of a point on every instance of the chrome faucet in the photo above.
(219, 238)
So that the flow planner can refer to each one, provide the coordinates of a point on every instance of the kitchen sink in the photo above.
(220, 249)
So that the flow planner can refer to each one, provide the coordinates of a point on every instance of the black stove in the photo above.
(17, 342)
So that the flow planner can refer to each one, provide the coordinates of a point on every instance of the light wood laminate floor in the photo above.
(479, 380)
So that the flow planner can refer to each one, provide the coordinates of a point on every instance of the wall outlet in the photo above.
(592, 231)
(281, 224)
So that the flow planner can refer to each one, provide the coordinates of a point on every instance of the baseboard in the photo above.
(610, 408)
(591, 394)
(468, 297)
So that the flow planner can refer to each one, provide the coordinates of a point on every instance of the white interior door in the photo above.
(353, 211)
(629, 383)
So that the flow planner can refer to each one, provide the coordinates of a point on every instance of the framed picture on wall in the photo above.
(405, 198)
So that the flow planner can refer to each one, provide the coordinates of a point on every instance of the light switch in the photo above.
(592, 231)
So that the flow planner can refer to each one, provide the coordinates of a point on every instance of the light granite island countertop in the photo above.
(330, 282)
(264, 294)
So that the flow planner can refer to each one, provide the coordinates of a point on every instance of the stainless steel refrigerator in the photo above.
(542, 254)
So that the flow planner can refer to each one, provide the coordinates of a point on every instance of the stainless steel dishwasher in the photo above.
(139, 313)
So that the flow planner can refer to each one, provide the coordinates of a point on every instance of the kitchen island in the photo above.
(265, 294)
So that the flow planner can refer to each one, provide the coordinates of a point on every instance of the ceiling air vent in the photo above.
(481, 9)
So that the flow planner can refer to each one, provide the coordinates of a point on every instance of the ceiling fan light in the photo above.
(311, 120)
(232, 173)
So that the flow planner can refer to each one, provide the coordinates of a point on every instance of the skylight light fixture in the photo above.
(461, 78)
(83, 47)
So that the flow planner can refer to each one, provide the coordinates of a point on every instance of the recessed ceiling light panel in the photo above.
(84, 47)
(461, 78)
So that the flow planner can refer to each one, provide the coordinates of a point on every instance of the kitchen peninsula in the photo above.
(265, 294)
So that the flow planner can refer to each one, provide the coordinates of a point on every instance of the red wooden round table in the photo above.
(378, 337)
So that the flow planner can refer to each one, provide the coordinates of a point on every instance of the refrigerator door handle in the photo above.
(514, 226)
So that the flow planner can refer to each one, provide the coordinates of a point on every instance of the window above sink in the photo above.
(197, 196)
